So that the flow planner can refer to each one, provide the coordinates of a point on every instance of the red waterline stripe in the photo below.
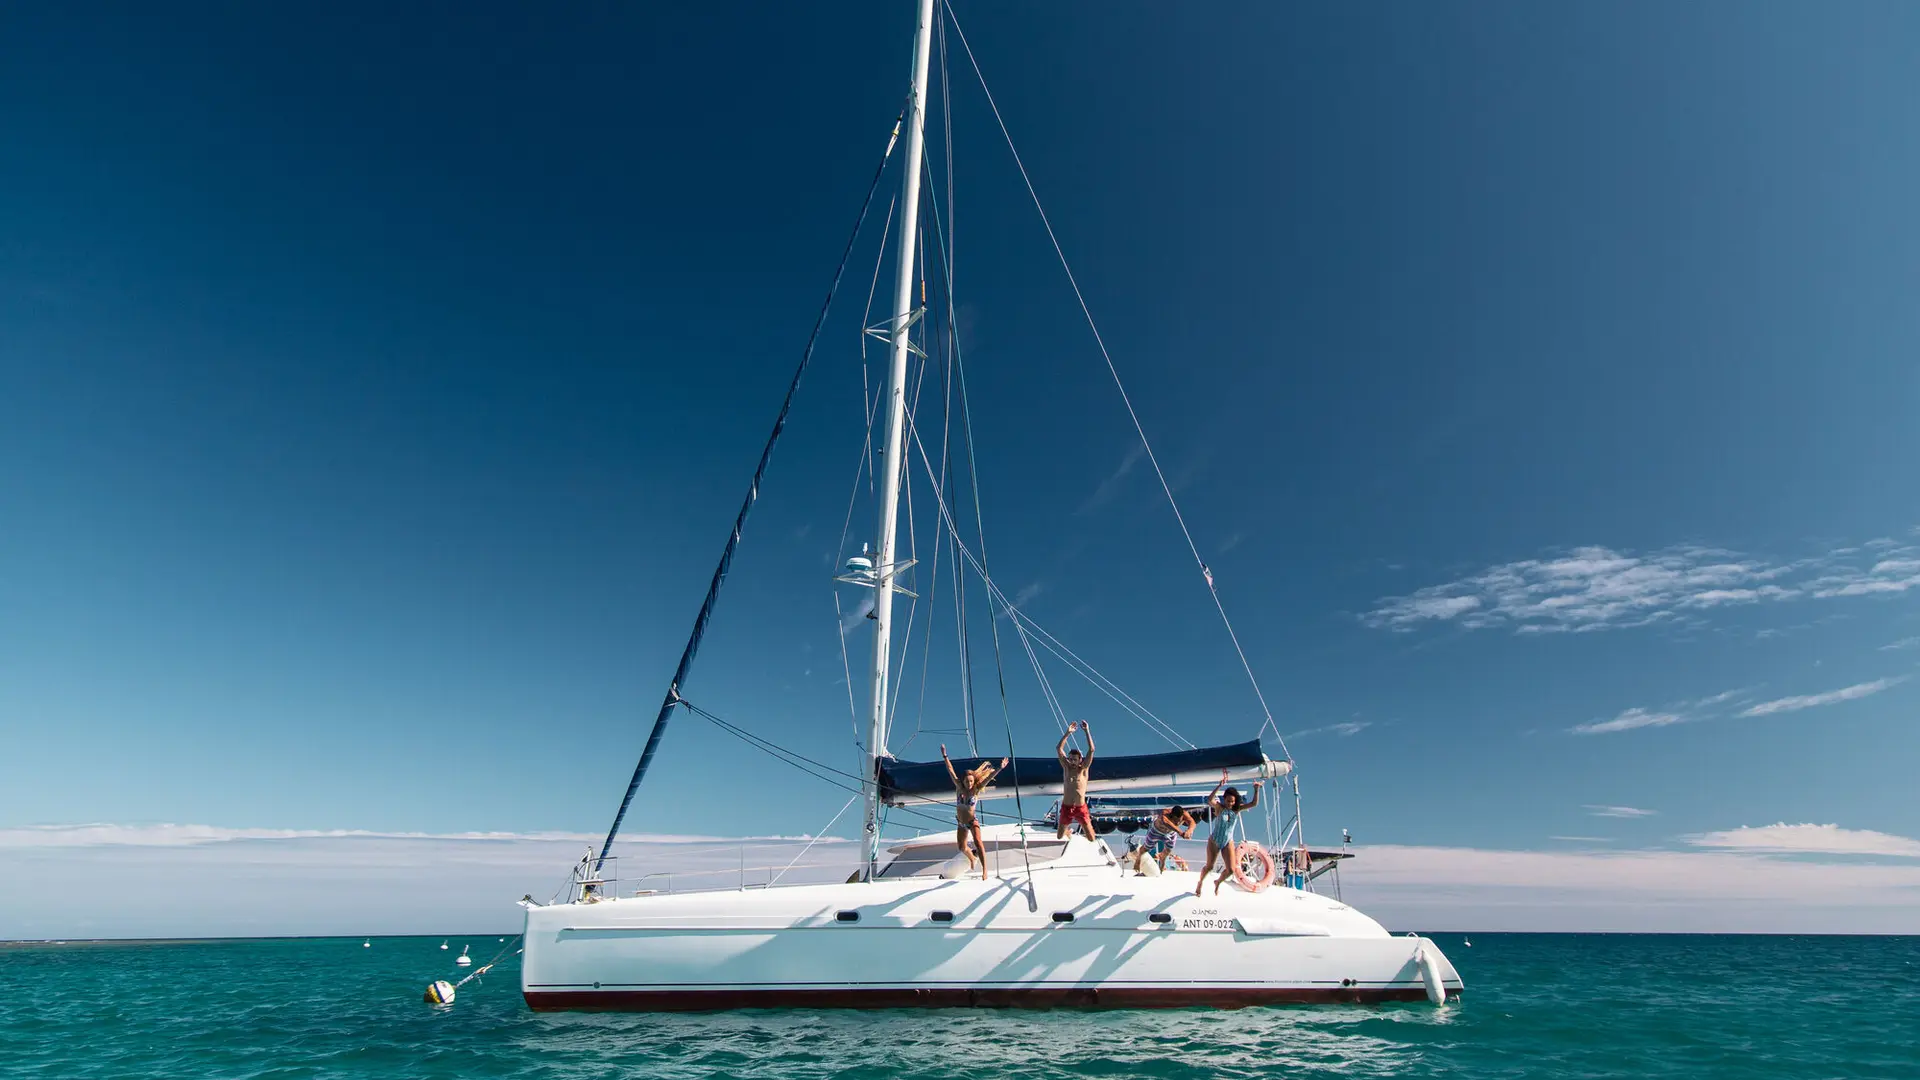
(1129, 997)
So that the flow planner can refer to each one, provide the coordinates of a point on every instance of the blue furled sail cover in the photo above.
(902, 778)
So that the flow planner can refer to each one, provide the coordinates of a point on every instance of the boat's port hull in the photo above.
(923, 997)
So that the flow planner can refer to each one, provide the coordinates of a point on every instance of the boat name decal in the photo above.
(1206, 919)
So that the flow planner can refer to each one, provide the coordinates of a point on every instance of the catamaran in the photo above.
(1043, 921)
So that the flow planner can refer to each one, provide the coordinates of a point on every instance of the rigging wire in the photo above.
(969, 713)
(939, 545)
(818, 770)
(973, 472)
(812, 840)
(1039, 635)
(1139, 429)
(1022, 622)
(846, 668)
(943, 235)
(999, 666)
(700, 621)
(863, 467)
(870, 401)
(943, 240)
(899, 681)
(1101, 682)
(1040, 676)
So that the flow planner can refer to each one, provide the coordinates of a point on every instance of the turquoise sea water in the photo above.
(1538, 1005)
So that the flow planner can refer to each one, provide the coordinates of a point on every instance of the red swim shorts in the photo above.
(1078, 812)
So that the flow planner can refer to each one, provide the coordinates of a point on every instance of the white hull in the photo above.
(1004, 946)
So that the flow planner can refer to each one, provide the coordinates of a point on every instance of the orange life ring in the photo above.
(1247, 852)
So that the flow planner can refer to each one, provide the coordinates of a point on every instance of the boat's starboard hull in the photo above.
(1079, 941)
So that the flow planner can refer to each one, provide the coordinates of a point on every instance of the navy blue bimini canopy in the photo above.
(904, 779)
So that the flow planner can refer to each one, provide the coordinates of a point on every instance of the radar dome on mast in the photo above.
(860, 566)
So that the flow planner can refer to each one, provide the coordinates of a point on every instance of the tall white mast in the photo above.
(899, 333)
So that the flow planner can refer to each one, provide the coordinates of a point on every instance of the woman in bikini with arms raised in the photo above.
(967, 787)
(1226, 811)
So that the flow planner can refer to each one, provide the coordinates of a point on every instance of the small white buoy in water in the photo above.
(443, 946)
(439, 992)
(1468, 942)
(463, 959)
(367, 944)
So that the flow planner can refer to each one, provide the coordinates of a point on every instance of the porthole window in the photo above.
(847, 916)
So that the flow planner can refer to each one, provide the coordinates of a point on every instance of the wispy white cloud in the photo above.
(1808, 839)
(1234, 539)
(1619, 811)
(1886, 576)
(1684, 712)
(1903, 643)
(1110, 487)
(1028, 592)
(1627, 721)
(1722, 697)
(1718, 706)
(1599, 588)
(1808, 701)
(1428, 604)
(1583, 839)
(1343, 729)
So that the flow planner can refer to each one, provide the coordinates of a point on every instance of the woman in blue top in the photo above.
(1225, 810)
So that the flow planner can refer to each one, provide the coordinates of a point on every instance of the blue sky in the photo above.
(375, 396)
